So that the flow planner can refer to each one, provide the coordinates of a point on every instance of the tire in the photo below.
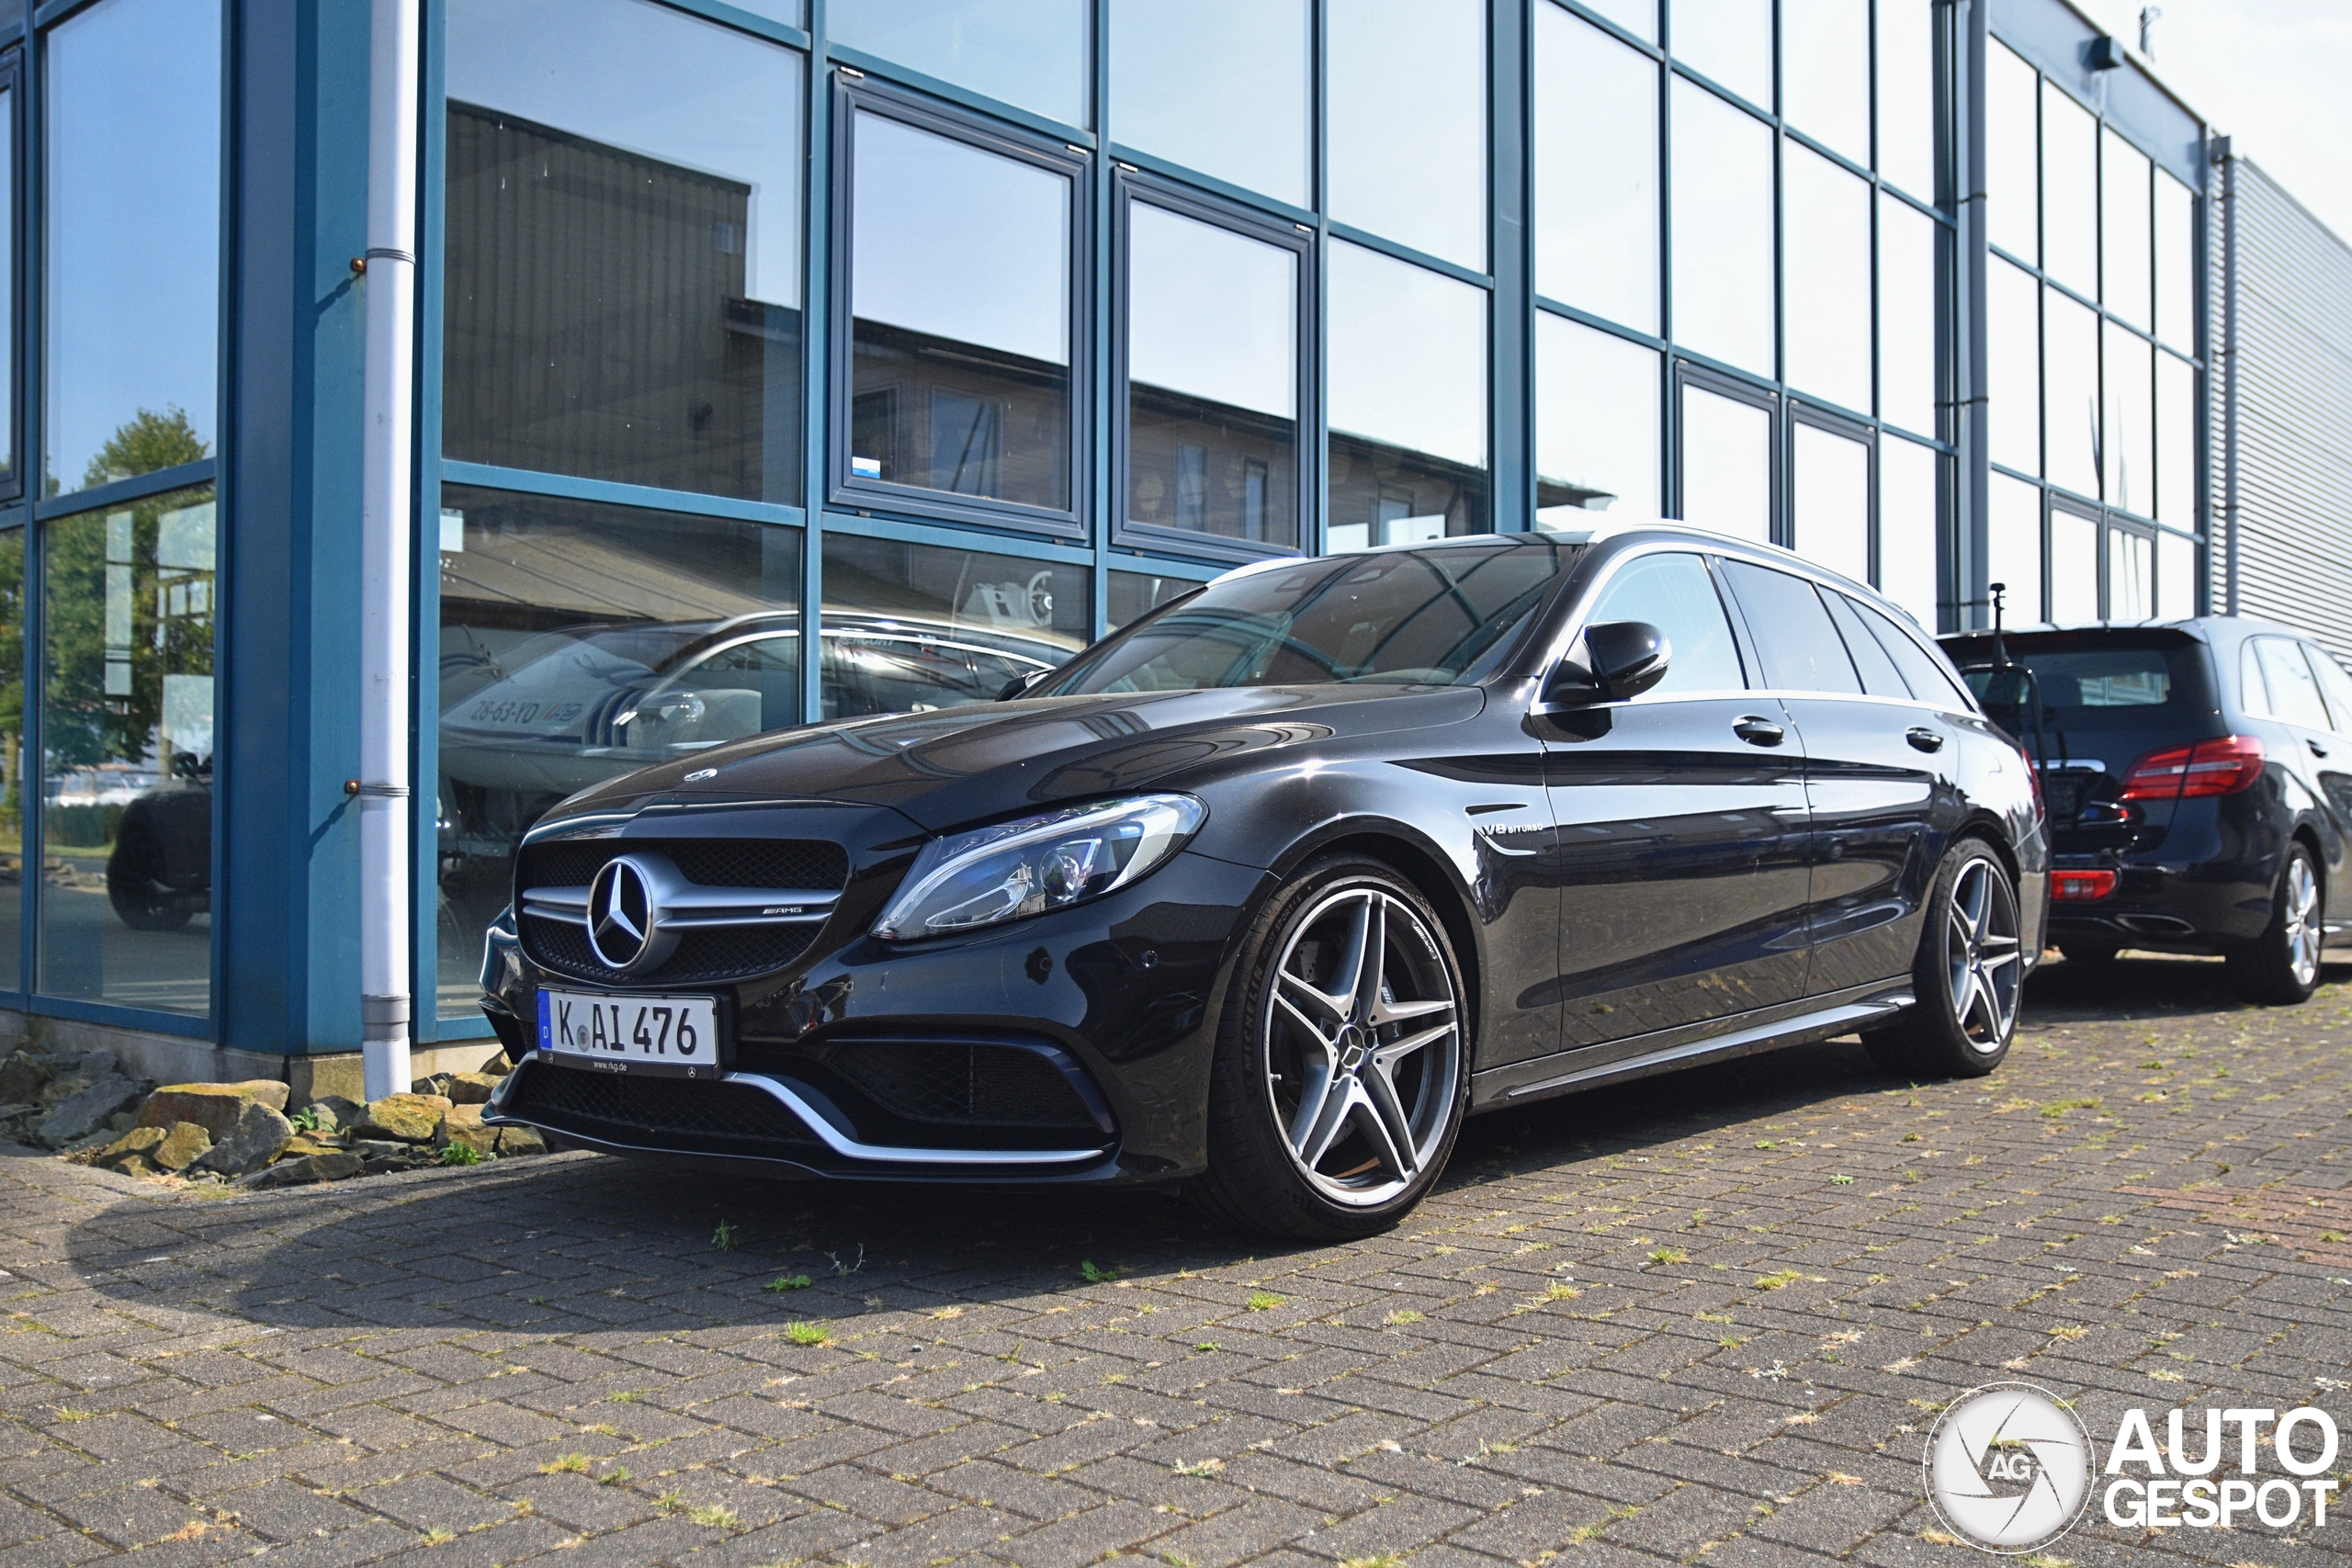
(1338, 1086)
(1968, 977)
(135, 885)
(2090, 954)
(2280, 967)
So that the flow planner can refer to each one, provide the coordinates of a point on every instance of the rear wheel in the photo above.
(1342, 1071)
(1967, 978)
(135, 884)
(2280, 967)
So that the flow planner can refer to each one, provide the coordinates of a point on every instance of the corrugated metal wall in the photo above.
(2294, 411)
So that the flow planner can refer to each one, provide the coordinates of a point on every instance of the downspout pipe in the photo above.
(2228, 160)
(387, 549)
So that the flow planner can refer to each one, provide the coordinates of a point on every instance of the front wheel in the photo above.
(1968, 977)
(1342, 1064)
(2280, 967)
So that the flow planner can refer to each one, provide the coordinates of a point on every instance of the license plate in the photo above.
(677, 1036)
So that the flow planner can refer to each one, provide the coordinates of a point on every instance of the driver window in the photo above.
(1676, 594)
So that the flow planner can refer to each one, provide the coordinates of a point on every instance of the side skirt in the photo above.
(1766, 1028)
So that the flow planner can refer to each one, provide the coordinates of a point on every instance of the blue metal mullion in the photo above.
(225, 361)
(745, 21)
(613, 493)
(32, 457)
(1669, 426)
(122, 492)
(1107, 407)
(815, 348)
(1510, 318)
(880, 68)
(424, 856)
(1315, 433)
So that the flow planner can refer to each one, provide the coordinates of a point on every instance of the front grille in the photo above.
(703, 957)
(962, 1084)
(713, 953)
(718, 1117)
(804, 865)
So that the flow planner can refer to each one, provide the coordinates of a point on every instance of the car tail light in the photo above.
(2033, 777)
(2080, 886)
(2210, 767)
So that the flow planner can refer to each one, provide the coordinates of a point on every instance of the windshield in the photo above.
(1410, 616)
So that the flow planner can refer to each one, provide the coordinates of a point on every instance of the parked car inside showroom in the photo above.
(1260, 896)
(2198, 781)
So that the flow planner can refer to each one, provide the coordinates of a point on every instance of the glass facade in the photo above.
(622, 260)
(966, 330)
(1785, 268)
(2095, 380)
(126, 715)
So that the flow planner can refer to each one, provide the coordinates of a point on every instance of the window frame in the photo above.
(854, 93)
(1738, 389)
(14, 214)
(1831, 423)
(1129, 185)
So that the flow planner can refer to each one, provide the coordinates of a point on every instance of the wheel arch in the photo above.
(1427, 870)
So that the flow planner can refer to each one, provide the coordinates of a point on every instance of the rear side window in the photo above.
(2293, 689)
(2337, 685)
(1674, 593)
(1932, 679)
(1880, 677)
(1795, 637)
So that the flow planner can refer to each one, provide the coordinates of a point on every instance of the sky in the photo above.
(2268, 74)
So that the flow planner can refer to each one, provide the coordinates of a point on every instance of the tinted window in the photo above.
(2294, 691)
(1409, 616)
(1674, 593)
(1880, 676)
(1930, 680)
(2105, 686)
(1800, 648)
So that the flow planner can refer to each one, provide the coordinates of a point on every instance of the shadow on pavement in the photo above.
(579, 1243)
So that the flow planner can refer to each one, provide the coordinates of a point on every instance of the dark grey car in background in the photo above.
(2198, 781)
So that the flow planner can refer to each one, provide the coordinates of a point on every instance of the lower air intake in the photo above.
(657, 1112)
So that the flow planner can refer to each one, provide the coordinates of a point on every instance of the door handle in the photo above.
(1924, 739)
(2318, 749)
(1758, 731)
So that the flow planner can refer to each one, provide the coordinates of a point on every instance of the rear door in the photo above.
(2280, 667)
(1681, 823)
(1876, 758)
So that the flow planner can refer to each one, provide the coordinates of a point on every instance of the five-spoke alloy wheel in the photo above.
(1968, 975)
(1343, 1070)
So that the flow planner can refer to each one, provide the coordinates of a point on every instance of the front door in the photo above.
(1681, 823)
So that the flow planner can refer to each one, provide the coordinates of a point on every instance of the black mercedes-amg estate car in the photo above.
(1263, 894)
(2199, 775)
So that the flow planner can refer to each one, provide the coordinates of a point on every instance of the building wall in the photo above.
(2293, 338)
(785, 361)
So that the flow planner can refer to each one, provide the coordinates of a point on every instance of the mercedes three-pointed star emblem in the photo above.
(622, 926)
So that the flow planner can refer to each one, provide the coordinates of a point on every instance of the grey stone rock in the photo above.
(332, 1167)
(333, 1112)
(259, 1137)
(373, 1149)
(86, 1110)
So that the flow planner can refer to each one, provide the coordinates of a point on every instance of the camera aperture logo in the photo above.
(2008, 1468)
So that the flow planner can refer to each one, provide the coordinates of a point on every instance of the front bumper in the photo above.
(1072, 1048)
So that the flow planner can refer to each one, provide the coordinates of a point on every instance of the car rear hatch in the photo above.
(2122, 713)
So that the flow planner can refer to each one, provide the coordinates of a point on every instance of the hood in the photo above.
(965, 764)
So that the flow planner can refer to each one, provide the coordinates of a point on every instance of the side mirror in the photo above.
(1627, 658)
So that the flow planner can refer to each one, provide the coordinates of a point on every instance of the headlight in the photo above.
(1017, 869)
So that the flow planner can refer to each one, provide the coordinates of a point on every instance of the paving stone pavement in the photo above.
(1705, 1316)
